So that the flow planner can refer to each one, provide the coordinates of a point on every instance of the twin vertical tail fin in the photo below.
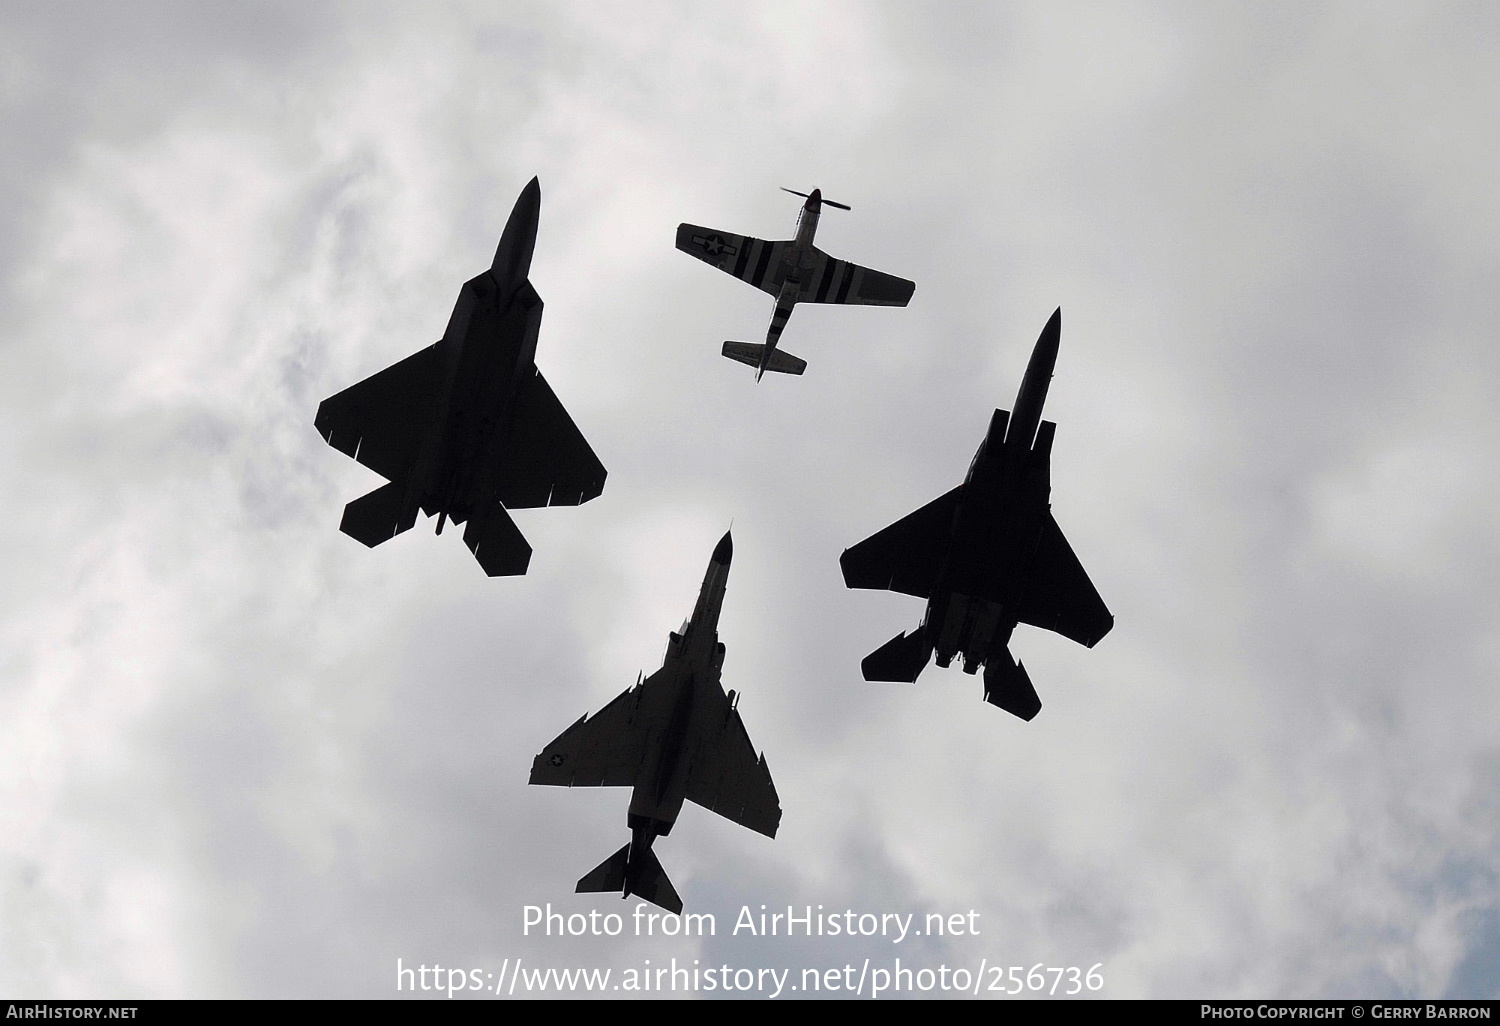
(752, 353)
(641, 876)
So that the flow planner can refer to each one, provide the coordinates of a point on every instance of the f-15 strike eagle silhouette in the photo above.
(986, 556)
(677, 736)
(468, 426)
(794, 271)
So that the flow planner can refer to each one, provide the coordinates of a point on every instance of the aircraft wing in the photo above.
(838, 281)
(381, 420)
(1060, 596)
(602, 750)
(908, 555)
(548, 461)
(727, 777)
(754, 260)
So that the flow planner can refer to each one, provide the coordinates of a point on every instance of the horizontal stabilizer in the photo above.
(608, 875)
(747, 353)
(378, 516)
(783, 362)
(751, 353)
(649, 881)
(900, 659)
(1008, 685)
(497, 543)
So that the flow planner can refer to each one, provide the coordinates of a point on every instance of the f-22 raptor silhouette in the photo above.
(468, 426)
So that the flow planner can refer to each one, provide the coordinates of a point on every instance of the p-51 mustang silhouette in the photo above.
(794, 271)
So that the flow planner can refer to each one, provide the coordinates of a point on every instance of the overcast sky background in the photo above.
(242, 755)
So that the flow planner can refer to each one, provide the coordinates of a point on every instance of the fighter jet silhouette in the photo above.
(468, 426)
(986, 556)
(794, 271)
(677, 736)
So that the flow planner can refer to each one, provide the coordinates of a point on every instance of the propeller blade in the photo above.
(826, 203)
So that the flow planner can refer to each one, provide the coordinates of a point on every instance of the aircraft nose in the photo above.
(512, 261)
(724, 551)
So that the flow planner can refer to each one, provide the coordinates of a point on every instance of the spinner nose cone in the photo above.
(724, 551)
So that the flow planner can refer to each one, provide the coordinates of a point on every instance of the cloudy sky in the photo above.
(242, 755)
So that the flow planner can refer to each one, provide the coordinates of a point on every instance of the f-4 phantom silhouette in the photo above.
(468, 425)
(794, 271)
(986, 556)
(677, 736)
